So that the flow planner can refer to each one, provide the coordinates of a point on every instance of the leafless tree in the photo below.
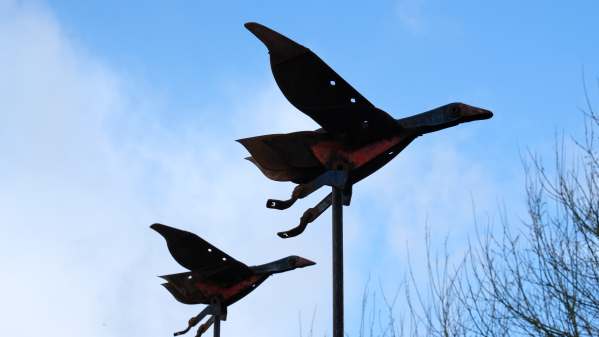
(543, 279)
(539, 277)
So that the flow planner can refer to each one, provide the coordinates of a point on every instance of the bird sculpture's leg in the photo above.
(196, 319)
(331, 178)
(204, 327)
(309, 215)
(313, 213)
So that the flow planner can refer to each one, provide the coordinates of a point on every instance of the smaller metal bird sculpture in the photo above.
(215, 278)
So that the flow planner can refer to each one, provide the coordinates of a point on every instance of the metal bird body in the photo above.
(356, 138)
(215, 278)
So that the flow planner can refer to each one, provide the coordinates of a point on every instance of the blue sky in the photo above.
(114, 116)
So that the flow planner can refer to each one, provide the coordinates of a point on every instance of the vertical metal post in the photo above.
(337, 262)
(216, 327)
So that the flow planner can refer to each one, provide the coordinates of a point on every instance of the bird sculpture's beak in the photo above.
(471, 113)
(302, 262)
(160, 228)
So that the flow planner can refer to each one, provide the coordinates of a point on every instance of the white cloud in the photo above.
(410, 14)
(86, 170)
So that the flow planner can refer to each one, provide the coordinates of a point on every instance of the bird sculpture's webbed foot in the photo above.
(280, 204)
(195, 320)
(299, 192)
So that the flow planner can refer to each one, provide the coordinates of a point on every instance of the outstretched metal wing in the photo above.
(198, 255)
(285, 157)
(319, 92)
(181, 287)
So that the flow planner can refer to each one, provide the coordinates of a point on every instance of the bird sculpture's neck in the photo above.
(278, 266)
(443, 117)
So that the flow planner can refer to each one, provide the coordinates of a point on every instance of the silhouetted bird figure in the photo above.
(214, 278)
(356, 138)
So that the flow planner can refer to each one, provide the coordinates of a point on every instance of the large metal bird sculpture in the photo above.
(214, 278)
(356, 138)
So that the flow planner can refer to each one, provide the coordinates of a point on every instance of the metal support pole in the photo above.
(337, 262)
(216, 327)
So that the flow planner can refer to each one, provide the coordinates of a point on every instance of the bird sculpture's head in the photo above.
(467, 113)
(295, 261)
(291, 262)
(283, 265)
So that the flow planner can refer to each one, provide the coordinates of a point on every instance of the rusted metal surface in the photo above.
(214, 278)
(356, 136)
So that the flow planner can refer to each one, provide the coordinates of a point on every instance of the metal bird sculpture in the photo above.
(214, 278)
(356, 138)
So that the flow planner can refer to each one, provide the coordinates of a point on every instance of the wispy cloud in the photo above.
(410, 14)
(86, 170)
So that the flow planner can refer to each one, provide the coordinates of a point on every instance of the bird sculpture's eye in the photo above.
(353, 100)
(332, 83)
(224, 259)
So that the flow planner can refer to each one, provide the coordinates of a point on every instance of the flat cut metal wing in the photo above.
(181, 287)
(319, 92)
(285, 157)
(197, 254)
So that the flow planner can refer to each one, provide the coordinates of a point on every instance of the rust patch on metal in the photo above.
(332, 152)
(227, 293)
